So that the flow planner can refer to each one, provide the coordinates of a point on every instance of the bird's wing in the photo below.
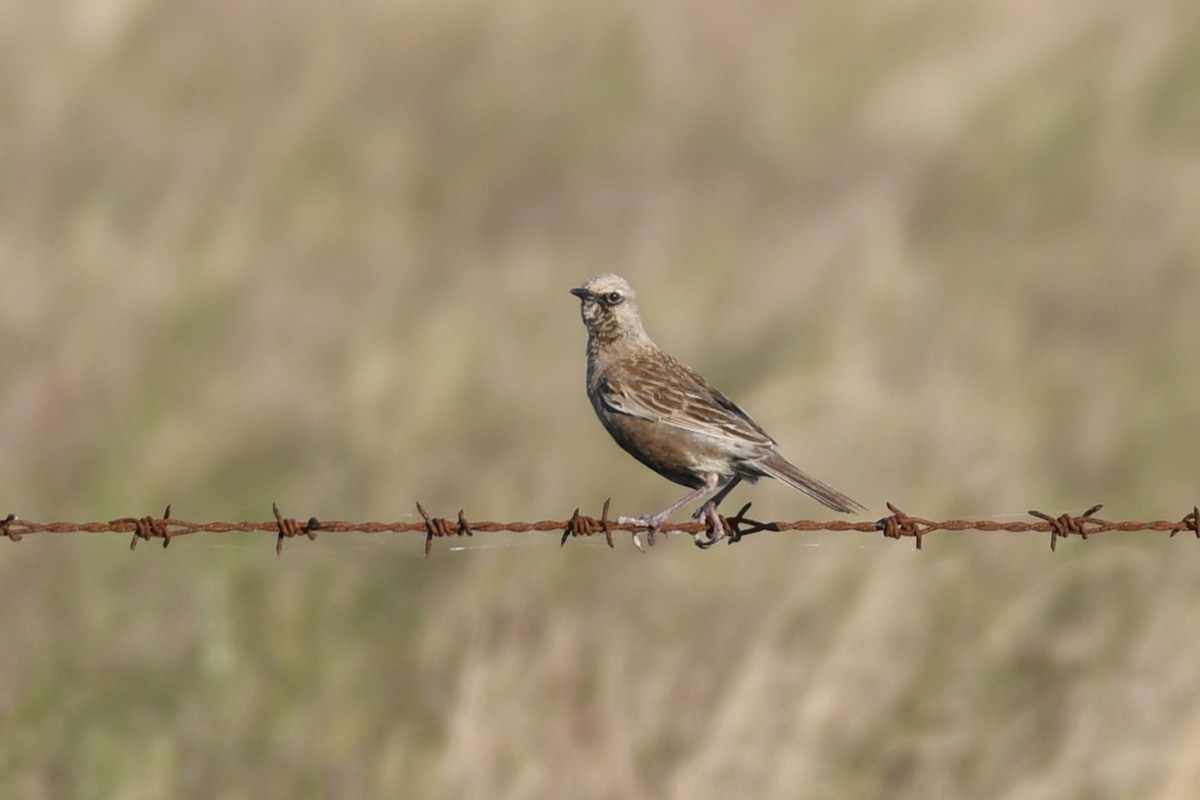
(663, 390)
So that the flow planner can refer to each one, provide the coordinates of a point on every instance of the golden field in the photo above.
(319, 254)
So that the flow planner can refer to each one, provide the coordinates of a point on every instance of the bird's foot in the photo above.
(651, 522)
(715, 529)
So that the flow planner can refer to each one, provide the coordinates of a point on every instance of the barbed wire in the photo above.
(896, 525)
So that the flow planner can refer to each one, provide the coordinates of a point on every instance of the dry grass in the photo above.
(319, 254)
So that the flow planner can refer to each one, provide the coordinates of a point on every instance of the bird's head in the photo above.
(609, 308)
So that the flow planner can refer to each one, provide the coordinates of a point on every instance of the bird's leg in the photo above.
(708, 511)
(654, 522)
(717, 498)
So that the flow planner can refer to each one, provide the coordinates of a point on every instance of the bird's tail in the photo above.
(781, 469)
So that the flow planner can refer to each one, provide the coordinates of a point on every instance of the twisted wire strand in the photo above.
(897, 525)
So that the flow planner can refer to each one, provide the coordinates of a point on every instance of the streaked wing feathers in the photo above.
(657, 387)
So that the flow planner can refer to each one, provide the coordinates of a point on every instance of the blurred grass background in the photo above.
(318, 254)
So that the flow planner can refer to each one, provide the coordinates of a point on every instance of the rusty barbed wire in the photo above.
(897, 525)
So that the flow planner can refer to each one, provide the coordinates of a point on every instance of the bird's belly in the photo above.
(676, 454)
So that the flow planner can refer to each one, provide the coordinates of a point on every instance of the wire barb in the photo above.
(440, 526)
(900, 524)
(588, 526)
(740, 525)
(6, 528)
(289, 527)
(1064, 524)
(148, 528)
(1189, 523)
(733, 528)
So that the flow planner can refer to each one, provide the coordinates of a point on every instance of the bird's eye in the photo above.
(613, 298)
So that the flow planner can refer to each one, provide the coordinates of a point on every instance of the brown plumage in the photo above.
(671, 419)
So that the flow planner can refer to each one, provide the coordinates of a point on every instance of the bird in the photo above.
(672, 420)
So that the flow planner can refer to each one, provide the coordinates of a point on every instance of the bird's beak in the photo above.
(581, 293)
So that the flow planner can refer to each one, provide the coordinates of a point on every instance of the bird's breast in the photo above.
(676, 454)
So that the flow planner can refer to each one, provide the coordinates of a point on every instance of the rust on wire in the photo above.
(440, 526)
(148, 528)
(1064, 524)
(897, 525)
(579, 525)
(6, 528)
(289, 527)
(1189, 523)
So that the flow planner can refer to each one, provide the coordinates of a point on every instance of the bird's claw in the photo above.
(651, 523)
(715, 529)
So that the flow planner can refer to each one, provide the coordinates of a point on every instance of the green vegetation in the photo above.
(319, 254)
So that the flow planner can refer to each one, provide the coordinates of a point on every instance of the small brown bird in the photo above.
(671, 419)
